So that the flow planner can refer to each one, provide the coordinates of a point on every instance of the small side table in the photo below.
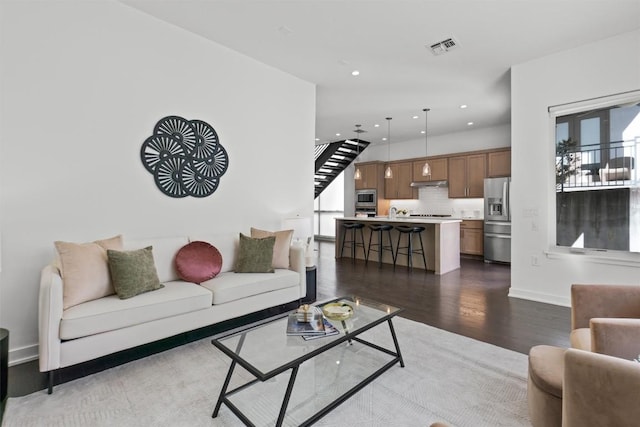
(4, 368)
(311, 285)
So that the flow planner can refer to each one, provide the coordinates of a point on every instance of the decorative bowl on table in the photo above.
(337, 310)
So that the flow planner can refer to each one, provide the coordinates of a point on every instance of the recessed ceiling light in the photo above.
(414, 117)
(384, 139)
(469, 123)
(463, 106)
(317, 139)
(337, 134)
(422, 132)
(376, 125)
(355, 73)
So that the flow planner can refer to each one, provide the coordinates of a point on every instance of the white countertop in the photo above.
(417, 220)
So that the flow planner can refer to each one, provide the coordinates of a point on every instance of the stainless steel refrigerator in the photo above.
(497, 220)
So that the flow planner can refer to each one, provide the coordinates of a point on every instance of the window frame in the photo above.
(603, 256)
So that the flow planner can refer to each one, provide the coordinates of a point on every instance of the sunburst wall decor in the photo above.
(185, 157)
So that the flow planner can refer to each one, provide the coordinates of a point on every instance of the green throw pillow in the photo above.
(255, 255)
(133, 272)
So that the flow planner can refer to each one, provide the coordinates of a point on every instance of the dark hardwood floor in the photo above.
(471, 301)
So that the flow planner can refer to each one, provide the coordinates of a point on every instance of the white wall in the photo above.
(82, 85)
(599, 69)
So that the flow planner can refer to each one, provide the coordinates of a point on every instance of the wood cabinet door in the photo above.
(369, 177)
(472, 237)
(439, 169)
(457, 176)
(471, 241)
(476, 173)
(499, 164)
(391, 184)
(361, 184)
(404, 173)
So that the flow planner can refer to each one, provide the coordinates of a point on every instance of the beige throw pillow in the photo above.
(85, 271)
(280, 249)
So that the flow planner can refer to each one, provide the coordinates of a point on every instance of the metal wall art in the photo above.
(185, 157)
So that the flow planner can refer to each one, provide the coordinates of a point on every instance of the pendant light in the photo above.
(426, 169)
(357, 175)
(388, 173)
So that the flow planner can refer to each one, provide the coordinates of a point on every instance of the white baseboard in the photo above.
(539, 297)
(23, 354)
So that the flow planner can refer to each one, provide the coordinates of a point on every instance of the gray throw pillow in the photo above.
(133, 272)
(255, 255)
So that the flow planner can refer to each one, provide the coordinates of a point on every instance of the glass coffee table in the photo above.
(323, 372)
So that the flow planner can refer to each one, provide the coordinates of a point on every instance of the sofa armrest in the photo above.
(590, 301)
(49, 317)
(616, 337)
(599, 390)
(297, 263)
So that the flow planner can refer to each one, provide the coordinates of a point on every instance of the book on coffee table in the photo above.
(315, 327)
(329, 330)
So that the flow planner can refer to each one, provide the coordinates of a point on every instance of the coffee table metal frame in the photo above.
(294, 365)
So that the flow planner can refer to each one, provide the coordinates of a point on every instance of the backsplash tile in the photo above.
(435, 200)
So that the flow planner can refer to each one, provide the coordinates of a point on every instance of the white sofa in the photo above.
(107, 325)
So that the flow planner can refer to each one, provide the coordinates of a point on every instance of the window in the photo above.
(327, 206)
(596, 174)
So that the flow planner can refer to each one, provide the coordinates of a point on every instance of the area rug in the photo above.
(447, 378)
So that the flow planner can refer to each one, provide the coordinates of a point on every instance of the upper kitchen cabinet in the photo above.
(499, 163)
(371, 175)
(399, 187)
(438, 169)
(466, 175)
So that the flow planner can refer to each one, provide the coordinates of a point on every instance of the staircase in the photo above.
(333, 158)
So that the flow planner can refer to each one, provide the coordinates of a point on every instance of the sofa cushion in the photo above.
(280, 248)
(110, 313)
(230, 286)
(255, 255)
(198, 261)
(164, 252)
(85, 270)
(133, 272)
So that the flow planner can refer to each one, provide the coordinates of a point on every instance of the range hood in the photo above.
(430, 184)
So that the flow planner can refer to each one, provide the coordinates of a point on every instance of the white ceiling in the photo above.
(323, 41)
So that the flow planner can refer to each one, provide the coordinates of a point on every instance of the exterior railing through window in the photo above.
(612, 164)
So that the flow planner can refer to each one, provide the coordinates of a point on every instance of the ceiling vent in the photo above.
(444, 46)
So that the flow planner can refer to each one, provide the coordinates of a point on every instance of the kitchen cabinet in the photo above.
(399, 187)
(472, 237)
(499, 163)
(466, 175)
(370, 175)
(438, 169)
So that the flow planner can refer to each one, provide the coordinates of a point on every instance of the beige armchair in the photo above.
(606, 319)
(599, 390)
(577, 388)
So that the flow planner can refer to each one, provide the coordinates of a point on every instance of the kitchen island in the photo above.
(441, 239)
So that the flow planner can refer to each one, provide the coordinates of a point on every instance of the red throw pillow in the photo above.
(198, 261)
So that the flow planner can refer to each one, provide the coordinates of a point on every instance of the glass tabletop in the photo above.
(266, 350)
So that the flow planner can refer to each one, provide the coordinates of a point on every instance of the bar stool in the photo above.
(352, 227)
(410, 232)
(379, 246)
